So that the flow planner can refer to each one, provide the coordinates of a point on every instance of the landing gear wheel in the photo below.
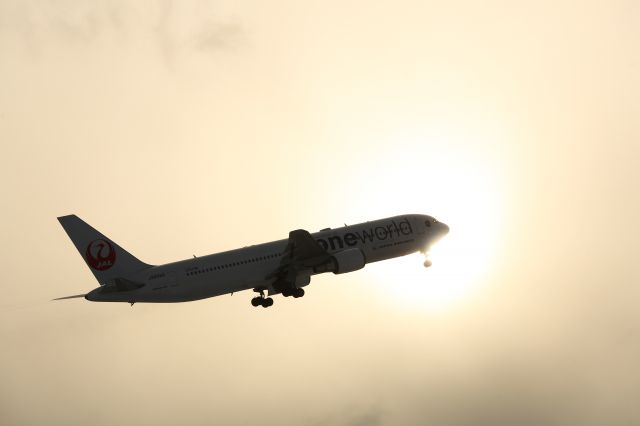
(267, 302)
(298, 292)
(256, 301)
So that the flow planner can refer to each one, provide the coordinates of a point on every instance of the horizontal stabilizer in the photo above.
(77, 296)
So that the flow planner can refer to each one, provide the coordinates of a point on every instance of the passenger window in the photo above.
(427, 223)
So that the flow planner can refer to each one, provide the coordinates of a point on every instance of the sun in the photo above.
(459, 187)
(460, 262)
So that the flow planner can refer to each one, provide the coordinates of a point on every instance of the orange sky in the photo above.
(181, 128)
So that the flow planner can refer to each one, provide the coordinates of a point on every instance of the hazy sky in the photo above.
(181, 128)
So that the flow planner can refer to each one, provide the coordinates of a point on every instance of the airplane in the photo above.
(278, 267)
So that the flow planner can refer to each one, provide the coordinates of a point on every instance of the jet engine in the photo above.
(347, 261)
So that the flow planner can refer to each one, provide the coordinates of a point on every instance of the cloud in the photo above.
(214, 36)
(174, 27)
(371, 417)
(353, 416)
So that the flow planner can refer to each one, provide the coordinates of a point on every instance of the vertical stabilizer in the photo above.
(106, 259)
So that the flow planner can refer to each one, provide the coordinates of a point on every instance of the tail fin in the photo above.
(106, 259)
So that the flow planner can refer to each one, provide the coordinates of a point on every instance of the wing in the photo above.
(302, 254)
(303, 250)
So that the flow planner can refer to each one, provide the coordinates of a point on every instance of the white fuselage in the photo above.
(252, 267)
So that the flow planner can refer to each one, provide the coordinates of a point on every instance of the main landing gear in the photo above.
(265, 302)
(295, 292)
(261, 300)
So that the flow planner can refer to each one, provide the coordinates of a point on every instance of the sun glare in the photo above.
(459, 262)
(458, 187)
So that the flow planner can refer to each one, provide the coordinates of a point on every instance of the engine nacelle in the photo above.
(347, 261)
(302, 280)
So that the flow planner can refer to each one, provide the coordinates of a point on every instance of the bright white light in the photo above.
(457, 187)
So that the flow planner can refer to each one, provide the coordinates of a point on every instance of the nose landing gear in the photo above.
(261, 300)
(427, 261)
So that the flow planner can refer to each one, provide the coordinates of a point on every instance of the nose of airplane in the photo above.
(444, 229)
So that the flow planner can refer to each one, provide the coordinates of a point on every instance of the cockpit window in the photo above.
(430, 221)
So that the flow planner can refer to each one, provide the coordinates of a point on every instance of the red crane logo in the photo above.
(100, 255)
